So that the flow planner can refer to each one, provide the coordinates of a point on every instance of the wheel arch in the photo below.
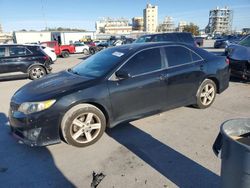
(216, 81)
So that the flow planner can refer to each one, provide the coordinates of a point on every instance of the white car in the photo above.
(50, 52)
(81, 48)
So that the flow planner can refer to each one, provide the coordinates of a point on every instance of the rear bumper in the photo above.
(240, 69)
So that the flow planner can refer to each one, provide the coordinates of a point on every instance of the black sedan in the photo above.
(115, 85)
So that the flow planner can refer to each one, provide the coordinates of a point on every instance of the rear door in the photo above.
(185, 72)
(145, 91)
(19, 59)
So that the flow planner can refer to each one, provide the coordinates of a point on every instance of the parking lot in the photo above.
(171, 149)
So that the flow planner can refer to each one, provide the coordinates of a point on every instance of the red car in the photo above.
(60, 50)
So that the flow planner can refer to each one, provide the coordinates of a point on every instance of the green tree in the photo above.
(192, 28)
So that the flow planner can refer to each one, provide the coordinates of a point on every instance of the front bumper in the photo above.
(38, 129)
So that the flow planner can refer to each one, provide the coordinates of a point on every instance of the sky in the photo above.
(82, 14)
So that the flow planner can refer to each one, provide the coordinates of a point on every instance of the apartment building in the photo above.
(220, 21)
(150, 18)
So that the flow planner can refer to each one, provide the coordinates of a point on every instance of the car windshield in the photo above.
(245, 41)
(143, 39)
(101, 63)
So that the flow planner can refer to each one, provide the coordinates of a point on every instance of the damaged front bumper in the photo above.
(34, 129)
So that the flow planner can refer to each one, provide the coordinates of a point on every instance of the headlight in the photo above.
(31, 107)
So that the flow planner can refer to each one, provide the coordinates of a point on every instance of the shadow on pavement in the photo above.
(239, 80)
(176, 167)
(23, 166)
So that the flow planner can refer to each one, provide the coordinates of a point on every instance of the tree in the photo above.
(192, 28)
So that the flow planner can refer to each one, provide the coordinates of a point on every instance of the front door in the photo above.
(144, 91)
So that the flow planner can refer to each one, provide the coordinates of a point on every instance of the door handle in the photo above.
(202, 67)
(163, 78)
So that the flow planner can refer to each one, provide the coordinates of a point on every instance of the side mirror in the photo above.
(122, 74)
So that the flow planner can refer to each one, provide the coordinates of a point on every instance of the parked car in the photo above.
(118, 84)
(60, 50)
(81, 48)
(50, 52)
(239, 58)
(23, 61)
(199, 41)
(226, 40)
(183, 37)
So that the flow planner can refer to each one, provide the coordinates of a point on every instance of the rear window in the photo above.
(2, 52)
(19, 51)
(185, 38)
(143, 39)
(169, 37)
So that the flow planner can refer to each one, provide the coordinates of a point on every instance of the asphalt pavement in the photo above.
(171, 149)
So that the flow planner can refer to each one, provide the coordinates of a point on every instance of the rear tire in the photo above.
(65, 54)
(37, 72)
(85, 52)
(206, 94)
(83, 125)
(92, 51)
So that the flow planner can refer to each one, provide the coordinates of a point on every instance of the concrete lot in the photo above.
(172, 149)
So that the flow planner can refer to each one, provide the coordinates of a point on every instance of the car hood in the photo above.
(238, 52)
(51, 87)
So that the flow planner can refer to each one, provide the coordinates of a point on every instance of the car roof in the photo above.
(140, 46)
(172, 33)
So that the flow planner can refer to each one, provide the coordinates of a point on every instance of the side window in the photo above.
(19, 51)
(143, 62)
(195, 57)
(2, 52)
(177, 55)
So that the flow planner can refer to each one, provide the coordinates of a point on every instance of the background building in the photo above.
(5, 37)
(137, 23)
(1, 30)
(220, 21)
(181, 26)
(113, 26)
(150, 18)
(167, 25)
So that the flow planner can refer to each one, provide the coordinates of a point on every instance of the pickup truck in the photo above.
(60, 50)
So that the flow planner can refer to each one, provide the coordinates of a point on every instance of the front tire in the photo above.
(83, 125)
(206, 94)
(36, 72)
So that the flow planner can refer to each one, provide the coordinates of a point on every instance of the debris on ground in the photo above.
(97, 178)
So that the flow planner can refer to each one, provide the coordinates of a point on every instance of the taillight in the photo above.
(227, 61)
(45, 57)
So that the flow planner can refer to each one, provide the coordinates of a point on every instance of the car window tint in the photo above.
(195, 57)
(143, 62)
(185, 37)
(18, 51)
(245, 42)
(2, 52)
(177, 55)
